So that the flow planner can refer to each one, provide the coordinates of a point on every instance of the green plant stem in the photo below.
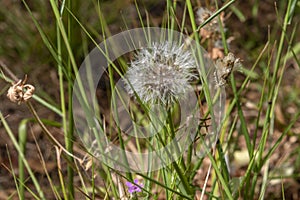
(273, 98)
(69, 133)
(177, 150)
(22, 143)
(14, 141)
(60, 175)
(272, 94)
(62, 98)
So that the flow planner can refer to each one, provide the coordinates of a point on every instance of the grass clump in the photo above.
(213, 116)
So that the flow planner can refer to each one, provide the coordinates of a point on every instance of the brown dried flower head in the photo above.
(224, 67)
(20, 92)
(212, 28)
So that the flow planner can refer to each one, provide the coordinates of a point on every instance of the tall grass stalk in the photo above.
(209, 100)
(20, 152)
(22, 142)
(69, 134)
(20, 193)
(66, 118)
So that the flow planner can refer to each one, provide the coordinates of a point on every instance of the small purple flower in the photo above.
(136, 187)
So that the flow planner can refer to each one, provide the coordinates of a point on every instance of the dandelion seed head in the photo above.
(160, 73)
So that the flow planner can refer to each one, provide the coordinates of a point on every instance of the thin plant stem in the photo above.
(22, 142)
(59, 169)
(69, 134)
(14, 141)
(62, 101)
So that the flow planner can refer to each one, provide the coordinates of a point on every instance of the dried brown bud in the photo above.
(20, 92)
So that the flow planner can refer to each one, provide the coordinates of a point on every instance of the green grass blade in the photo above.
(13, 139)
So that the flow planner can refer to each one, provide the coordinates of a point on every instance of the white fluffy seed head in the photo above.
(160, 73)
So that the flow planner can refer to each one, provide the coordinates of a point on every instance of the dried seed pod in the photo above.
(212, 28)
(20, 92)
(224, 67)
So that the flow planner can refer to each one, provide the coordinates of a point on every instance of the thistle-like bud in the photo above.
(202, 15)
(224, 67)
